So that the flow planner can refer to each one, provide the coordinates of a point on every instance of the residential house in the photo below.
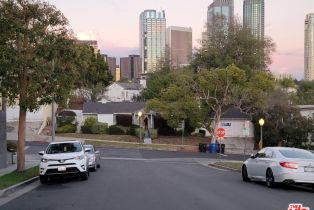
(111, 112)
(119, 91)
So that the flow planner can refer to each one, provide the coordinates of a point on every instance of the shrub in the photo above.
(90, 121)
(11, 146)
(115, 130)
(65, 120)
(132, 129)
(70, 128)
(86, 129)
(153, 133)
(97, 128)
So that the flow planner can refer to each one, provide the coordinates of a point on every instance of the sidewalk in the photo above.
(30, 161)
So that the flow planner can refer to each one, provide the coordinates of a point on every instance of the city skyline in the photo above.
(115, 25)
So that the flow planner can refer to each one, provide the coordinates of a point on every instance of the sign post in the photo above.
(246, 132)
(220, 134)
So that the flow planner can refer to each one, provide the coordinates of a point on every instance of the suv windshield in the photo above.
(64, 148)
(297, 154)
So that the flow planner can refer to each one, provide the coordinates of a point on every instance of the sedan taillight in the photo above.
(290, 165)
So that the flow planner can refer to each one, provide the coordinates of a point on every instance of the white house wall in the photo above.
(116, 93)
(106, 118)
(36, 116)
(234, 128)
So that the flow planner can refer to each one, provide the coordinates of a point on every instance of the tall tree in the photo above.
(39, 63)
(220, 89)
(174, 99)
(234, 46)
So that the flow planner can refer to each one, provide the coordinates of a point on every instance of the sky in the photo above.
(115, 25)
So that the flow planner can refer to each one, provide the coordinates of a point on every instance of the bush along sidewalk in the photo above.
(15, 177)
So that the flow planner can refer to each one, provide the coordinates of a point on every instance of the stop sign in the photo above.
(220, 133)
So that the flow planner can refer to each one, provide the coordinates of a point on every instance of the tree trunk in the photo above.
(21, 141)
(216, 124)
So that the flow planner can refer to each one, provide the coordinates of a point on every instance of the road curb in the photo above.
(14, 188)
(224, 167)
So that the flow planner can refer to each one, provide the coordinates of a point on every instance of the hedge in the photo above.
(97, 128)
(153, 133)
(115, 130)
(70, 128)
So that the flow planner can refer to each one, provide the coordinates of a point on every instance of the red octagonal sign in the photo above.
(220, 133)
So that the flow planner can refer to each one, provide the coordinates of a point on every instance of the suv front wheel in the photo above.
(84, 175)
(43, 179)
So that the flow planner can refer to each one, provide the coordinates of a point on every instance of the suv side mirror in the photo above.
(252, 156)
(41, 153)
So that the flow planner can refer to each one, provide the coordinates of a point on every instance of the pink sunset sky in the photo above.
(115, 25)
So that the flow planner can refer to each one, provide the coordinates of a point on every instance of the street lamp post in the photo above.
(261, 123)
(139, 119)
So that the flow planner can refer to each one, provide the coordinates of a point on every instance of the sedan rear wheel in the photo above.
(270, 180)
(245, 176)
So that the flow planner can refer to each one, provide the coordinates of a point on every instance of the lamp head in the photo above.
(140, 114)
(261, 122)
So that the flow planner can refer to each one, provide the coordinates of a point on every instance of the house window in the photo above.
(226, 124)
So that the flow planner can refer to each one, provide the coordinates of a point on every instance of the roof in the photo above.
(233, 113)
(129, 86)
(307, 107)
(112, 107)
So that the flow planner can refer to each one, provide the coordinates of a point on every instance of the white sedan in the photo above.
(280, 165)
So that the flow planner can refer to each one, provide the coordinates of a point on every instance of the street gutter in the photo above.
(12, 189)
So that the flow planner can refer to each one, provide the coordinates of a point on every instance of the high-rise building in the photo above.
(112, 64)
(309, 48)
(130, 67)
(152, 39)
(92, 43)
(254, 17)
(179, 42)
(118, 74)
(218, 10)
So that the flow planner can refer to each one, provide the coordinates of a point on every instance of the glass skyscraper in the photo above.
(254, 17)
(152, 39)
(221, 9)
(309, 48)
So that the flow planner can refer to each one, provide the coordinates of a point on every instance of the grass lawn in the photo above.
(233, 165)
(17, 177)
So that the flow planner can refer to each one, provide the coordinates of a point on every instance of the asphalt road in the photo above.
(35, 147)
(151, 180)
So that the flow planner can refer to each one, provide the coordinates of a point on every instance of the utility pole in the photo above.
(53, 132)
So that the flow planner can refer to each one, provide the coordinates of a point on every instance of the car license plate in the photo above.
(62, 168)
(309, 169)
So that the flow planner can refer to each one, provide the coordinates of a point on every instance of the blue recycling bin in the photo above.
(213, 148)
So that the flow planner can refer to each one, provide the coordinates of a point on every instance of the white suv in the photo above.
(63, 159)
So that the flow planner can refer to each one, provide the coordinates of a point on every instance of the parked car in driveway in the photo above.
(280, 165)
(93, 156)
(66, 158)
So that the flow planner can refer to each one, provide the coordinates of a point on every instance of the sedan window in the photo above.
(302, 154)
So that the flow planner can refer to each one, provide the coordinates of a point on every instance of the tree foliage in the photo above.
(284, 124)
(40, 61)
(234, 46)
(172, 97)
(220, 89)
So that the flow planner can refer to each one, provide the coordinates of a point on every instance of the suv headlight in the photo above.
(44, 160)
(81, 157)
